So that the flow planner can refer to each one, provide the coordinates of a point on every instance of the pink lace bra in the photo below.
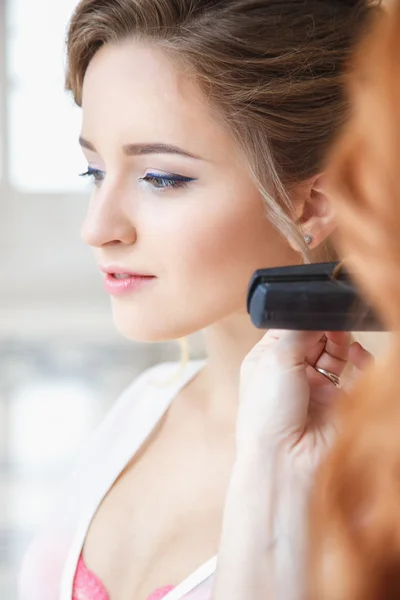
(89, 587)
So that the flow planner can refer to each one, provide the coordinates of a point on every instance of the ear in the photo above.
(316, 216)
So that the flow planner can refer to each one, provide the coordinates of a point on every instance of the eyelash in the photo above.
(165, 181)
(96, 174)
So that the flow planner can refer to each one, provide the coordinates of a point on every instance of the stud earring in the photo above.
(308, 239)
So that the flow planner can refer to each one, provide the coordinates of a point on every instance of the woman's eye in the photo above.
(96, 175)
(161, 182)
(157, 181)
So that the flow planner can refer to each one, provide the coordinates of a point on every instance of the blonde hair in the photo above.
(271, 69)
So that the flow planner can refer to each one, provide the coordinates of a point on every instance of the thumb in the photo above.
(290, 347)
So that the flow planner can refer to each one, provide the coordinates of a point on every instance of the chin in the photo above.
(147, 322)
(148, 328)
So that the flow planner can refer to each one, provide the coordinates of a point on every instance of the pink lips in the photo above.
(119, 281)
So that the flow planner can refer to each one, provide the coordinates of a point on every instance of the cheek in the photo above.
(221, 246)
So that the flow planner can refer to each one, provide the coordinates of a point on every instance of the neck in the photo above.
(227, 343)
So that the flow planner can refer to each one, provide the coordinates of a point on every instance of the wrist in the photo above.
(284, 485)
(254, 478)
(254, 450)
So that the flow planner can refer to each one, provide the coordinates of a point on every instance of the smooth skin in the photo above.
(285, 427)
(202, 241)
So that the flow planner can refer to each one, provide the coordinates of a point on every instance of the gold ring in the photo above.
(331, 376)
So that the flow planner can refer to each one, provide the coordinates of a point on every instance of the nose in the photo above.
(109, 219)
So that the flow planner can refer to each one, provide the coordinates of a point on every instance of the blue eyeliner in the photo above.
(159, 181)
(164, 181)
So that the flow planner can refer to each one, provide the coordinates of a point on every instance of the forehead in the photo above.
(137, 90)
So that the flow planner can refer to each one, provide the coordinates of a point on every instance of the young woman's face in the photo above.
(171, 198)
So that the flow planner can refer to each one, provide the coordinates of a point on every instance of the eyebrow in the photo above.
(143, 149)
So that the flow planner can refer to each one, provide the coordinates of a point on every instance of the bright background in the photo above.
(61, 362)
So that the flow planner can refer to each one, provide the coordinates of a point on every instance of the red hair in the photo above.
(355, 507)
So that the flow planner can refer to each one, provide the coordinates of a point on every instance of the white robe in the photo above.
(49, 567)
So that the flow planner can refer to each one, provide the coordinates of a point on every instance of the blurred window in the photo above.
(43, 153)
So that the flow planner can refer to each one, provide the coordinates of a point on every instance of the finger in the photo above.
(316, 350)
(335, 343)
(338, 344)
(360, 361)
(359, 357)
(335, 354)
(293, 345)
